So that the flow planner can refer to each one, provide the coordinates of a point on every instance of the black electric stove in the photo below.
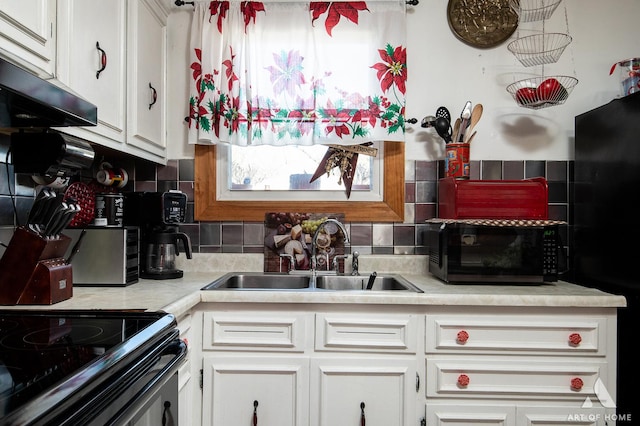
(82, 367)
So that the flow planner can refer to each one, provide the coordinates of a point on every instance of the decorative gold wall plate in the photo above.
(482, 23)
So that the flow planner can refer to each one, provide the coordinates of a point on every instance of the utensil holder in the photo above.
(457, 162)
(33, 270)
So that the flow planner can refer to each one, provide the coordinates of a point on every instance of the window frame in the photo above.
(209, 208)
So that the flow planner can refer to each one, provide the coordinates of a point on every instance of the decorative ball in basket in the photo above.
(542, 92)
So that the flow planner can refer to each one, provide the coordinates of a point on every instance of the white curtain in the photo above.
(303, 73)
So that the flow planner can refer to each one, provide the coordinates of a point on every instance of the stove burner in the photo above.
(83, 333)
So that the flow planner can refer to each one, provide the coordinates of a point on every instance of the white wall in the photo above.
(444, 71)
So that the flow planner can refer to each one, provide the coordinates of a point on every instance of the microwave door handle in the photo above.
(441, 244)
(563, 262)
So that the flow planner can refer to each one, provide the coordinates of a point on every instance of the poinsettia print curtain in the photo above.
(303, 73)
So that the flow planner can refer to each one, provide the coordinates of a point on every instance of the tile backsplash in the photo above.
(421, 179)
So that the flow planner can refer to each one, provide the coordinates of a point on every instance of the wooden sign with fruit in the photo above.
(288, 238)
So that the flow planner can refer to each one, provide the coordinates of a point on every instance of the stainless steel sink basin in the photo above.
(259, 281)
(349, 282)
(294, 282)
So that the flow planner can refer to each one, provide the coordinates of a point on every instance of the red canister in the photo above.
(457, 160)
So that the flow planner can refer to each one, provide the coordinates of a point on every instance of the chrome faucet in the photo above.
(354, 263)
(312, 280)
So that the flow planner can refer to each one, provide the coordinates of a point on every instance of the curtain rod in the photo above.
(182, 3)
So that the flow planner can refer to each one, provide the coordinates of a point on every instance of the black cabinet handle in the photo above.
(255, 413)
(103, 59)
(154, 96)
(167, 406)
(362, 417)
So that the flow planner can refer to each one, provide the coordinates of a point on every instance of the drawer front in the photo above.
(373, 333)
(470, 415)
(254, 331)
(526, 379)
(486, 333)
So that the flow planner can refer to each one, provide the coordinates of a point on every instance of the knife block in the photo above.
(33, 270)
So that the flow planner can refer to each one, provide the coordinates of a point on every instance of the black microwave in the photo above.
(495, 251)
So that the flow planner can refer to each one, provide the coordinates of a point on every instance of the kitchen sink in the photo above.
(359, 282)
(259, 281)
(300, 282)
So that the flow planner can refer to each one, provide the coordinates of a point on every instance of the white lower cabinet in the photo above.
(350, 365)
(473, 414)
(520, 367)
(302, 368)
(354, 391)
(250, 390)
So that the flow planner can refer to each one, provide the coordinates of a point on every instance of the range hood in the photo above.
(27, 101)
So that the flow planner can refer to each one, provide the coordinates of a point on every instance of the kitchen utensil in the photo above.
(443, 127)
(372, 278)
(476, 114)
(456, 129)
(428, 121)
(444, 113)
(55, 218)
(36, 214)
(465, 115)
(470, 138)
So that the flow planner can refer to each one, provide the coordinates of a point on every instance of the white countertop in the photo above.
(179, 295)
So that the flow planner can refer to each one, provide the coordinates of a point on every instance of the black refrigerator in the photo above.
(605, 243)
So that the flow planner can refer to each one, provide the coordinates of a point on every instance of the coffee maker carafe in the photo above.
(161, 251)
(158, 215)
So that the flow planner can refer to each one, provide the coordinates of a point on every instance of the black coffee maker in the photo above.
(158, 215)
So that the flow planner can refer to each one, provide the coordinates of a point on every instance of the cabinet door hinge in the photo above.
(201, 378)
(423, 422)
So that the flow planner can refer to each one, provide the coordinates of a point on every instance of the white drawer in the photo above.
(516, 333)
(373, 333)
(494, 377)
(254, 331)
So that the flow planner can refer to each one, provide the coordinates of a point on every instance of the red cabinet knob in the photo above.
(577, 383)
(463, 380)
(575, 339)
(462, 337)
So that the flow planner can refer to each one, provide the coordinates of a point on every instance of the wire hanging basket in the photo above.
(542, 92)
(539, 49)
(534, 10)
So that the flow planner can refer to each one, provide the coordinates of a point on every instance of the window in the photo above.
(209, 207)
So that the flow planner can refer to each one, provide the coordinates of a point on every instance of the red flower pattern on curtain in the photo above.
(300, 105)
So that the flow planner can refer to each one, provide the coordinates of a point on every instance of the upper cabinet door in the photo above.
(91, 58)
(146, 91)
(27, 33)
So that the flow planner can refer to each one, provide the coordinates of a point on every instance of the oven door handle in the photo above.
(178, 349)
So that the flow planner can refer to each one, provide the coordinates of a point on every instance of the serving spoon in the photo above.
(443, 127)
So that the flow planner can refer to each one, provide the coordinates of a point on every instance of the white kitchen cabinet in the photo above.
(317, 368)
(273, 388)
(113, 53)
(92, 61)
(28, 34)
(378, 391)
(509, 367)
(146, 77)
(446, 365)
